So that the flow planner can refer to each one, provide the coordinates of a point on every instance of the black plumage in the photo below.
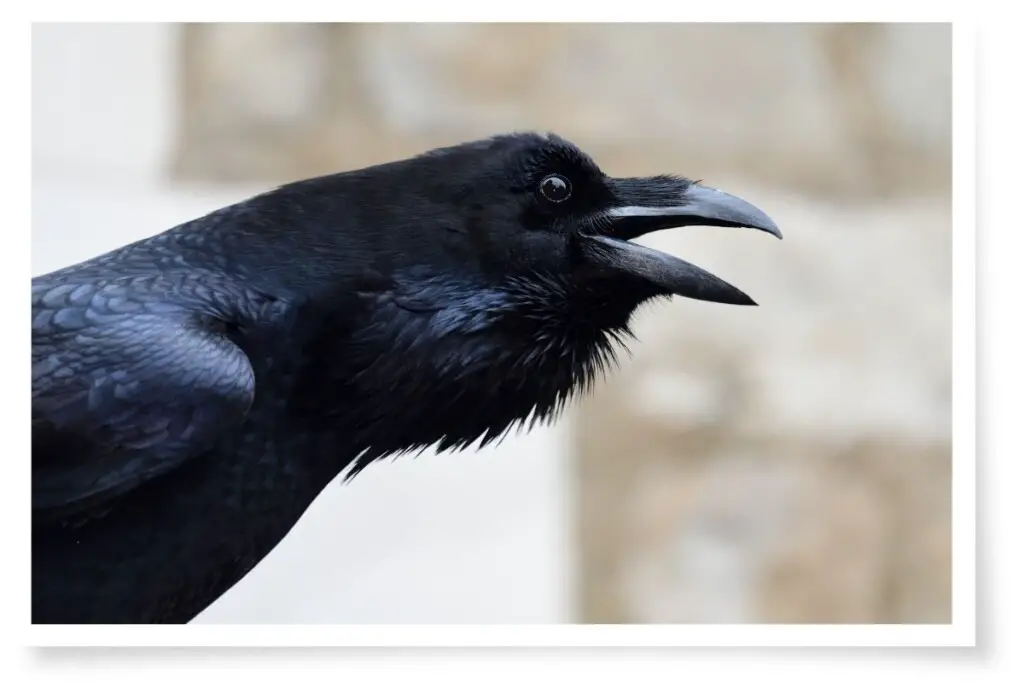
(193, 392)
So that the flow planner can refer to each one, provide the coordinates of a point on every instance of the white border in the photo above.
(572, 635)
(961, 632)
(964, 352)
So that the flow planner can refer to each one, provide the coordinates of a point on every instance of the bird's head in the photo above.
(493, 279)
(515, 205)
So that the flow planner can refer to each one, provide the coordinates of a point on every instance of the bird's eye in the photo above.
(555, 188)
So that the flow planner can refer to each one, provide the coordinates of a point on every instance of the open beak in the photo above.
(645, 205)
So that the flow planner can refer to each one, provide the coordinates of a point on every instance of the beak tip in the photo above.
(765, 224)
(721, 206)
(733, 296)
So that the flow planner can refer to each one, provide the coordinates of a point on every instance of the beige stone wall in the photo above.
(849, 109)
(789, 463)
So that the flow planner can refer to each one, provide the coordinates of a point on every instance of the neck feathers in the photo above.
(436, 362)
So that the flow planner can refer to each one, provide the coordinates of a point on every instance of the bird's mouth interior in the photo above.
(632, 227)
(652, 208)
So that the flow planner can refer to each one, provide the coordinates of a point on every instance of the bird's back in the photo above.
(160, 476)
(164, 550)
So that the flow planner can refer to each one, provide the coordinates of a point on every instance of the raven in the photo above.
(193, 392)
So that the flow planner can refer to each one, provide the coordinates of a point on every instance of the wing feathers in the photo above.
(120, 397)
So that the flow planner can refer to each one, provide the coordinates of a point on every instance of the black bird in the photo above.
(193, 392)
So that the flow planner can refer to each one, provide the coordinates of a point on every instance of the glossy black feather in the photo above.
(195, 391)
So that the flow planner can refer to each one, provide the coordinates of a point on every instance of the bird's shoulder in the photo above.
(125, 387)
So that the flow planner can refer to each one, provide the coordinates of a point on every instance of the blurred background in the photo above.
(784, 464)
